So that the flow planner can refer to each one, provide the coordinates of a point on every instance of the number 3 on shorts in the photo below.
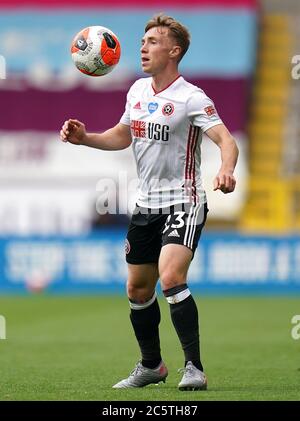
(179, 219)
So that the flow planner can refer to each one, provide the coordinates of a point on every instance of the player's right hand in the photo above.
(73, 131)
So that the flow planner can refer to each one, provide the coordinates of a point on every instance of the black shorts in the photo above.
(151, 229)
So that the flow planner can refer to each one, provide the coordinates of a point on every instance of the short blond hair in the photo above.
(176, 30)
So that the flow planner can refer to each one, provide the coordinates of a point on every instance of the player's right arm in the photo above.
(116, 138)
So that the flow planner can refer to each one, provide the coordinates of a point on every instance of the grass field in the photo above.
(76, 348)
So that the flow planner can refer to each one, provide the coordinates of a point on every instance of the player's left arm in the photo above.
(224, 180)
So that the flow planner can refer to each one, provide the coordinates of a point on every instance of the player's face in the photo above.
(155, 50)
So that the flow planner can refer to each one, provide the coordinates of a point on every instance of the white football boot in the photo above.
(193, 378)
(142, 376)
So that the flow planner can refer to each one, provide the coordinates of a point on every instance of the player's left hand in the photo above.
(225, 182)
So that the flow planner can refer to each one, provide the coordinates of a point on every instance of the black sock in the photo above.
(184, 314)
(145, 323)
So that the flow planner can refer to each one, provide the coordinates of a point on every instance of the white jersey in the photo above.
(166, 129)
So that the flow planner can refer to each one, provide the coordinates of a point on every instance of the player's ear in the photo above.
(175, 51)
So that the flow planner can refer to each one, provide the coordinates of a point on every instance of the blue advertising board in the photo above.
(222, 263)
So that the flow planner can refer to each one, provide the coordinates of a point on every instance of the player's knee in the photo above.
(170, 278)
(138, 293)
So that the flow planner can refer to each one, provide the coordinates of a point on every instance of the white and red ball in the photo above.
(95, 50)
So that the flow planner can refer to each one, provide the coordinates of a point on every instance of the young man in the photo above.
(164, 119)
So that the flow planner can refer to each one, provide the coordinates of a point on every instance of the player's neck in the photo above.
(163, 80)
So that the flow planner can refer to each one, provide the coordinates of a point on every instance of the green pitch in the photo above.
(76, 348)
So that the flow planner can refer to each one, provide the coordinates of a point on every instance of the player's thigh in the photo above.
(143, 242)
(180, 238)
(174, 262)
(142, 280)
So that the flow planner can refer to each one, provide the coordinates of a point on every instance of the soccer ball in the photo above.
(95, 50)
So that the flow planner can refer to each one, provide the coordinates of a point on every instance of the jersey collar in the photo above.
(158, 92)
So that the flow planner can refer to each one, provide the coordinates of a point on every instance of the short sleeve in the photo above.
(201, 111)
(125, 119)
